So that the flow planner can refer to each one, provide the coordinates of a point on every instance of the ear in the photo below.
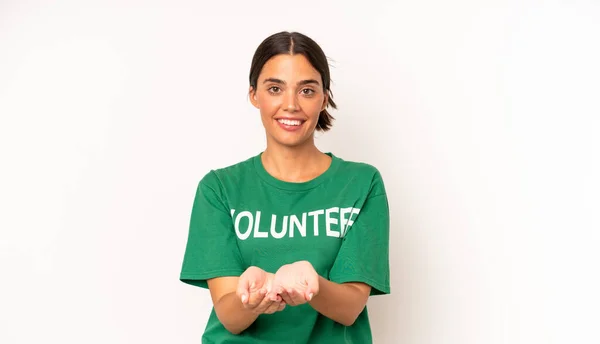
(325, 100)
(252, 95)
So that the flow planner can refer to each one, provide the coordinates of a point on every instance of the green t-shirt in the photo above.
(339, 222)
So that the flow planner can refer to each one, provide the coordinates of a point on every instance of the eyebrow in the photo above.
(300, 83)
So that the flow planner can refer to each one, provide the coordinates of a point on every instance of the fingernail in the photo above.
(310, 296)
(244, 298)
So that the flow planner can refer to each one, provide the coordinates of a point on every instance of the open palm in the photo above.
(297, 283)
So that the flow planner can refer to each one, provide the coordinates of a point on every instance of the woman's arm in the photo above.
(228, 306)
(343, 302)
(227, 294)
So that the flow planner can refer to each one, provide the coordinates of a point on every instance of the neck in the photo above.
(295, 164)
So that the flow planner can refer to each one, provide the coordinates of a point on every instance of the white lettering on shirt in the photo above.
(336, 222)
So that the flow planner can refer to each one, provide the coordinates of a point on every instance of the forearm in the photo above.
(340, 302)
(233, 315)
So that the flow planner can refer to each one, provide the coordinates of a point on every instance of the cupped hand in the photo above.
(295, 283)
(253, 286)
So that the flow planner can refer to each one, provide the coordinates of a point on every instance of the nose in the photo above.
(291, 102)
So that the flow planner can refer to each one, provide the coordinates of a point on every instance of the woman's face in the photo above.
(289, 94)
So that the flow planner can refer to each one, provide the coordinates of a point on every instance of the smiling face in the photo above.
(290, 96)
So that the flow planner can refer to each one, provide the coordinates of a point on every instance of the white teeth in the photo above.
(289, 121)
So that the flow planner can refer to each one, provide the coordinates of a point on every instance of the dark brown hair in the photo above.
(295, 43)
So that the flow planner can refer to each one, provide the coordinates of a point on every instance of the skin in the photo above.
(288, 87)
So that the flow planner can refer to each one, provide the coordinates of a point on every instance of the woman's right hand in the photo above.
(253, 286)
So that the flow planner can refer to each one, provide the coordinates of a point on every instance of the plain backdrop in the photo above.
(482, 116)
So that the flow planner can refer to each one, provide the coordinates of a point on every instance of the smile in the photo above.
(291, 122)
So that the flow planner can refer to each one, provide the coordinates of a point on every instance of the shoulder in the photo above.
(363, 173)
(350, 166)
(216, 178)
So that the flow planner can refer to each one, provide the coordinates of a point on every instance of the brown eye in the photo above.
(274, 89)
(308, 92)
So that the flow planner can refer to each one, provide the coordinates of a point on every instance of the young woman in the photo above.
(293, 241)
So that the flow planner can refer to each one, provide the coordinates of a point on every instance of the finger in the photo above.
(274, 296)
(275, 288)
(281, 306)
(272, 293)
(296, 297)
(243, 291)
(272, 308)
(313, 287)
(263, 306)
(308, 294)
(287, 299)
(256, 297)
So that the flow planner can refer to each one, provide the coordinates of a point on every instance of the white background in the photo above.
(482, 116)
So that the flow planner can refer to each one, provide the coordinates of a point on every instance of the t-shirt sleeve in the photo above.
(211, 249)
(364, 253)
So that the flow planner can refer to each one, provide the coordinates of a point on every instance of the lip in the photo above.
(290, 118)
(290, 127)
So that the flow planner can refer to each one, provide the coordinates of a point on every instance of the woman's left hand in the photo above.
(297, 283)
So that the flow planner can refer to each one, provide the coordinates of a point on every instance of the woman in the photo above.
(293, 241)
